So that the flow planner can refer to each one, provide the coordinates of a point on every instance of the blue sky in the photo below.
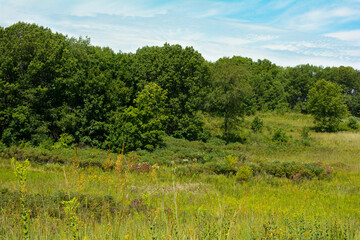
(287, 32)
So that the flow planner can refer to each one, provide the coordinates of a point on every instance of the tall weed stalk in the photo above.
(21, 172)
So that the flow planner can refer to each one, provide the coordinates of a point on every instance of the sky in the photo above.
(287, 32)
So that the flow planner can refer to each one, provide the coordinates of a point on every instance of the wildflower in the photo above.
(328, 170)
(296, 176)
(127, 236)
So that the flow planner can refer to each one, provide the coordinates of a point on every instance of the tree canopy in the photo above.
(53, 86)
(327, 105)
(229, 93)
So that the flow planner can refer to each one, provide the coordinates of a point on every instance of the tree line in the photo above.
(54, 87)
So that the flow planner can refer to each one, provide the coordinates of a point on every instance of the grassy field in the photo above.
(296, 186)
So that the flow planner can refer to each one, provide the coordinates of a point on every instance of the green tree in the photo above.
(347, 77)
(30, 60)
(229, 93)
(184, 73)
(141, 125)
(300, 80)
(354, 105)
(327, 105)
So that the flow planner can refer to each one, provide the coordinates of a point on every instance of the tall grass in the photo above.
(123, 197)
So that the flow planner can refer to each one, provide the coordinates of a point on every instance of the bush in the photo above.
(141, 167)
(244, 173)
(235, 136)
(227, 166)
(293, 170)
(257, 124)
(279, 136)
(40, 156)
(2, 146)
(305, 136)
(189, 170)
(353, 123)
(64, 141)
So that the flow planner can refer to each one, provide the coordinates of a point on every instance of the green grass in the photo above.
(182, 198)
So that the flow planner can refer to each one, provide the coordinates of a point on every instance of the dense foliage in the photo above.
(53, 87)
(229, 94)
(327, 105)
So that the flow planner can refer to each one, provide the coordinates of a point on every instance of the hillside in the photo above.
(162, 144)
(301, 185)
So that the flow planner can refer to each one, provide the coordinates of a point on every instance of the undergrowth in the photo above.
(304, 188)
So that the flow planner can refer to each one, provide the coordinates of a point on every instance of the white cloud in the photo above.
(353, 35)
(129, 25)
(121, 8)
(352, 53)
(237, 24)
(280, 4)
(282, 47)
(260, 37)
(324, 17)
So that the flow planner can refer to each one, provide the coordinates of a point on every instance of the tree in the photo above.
(184, 73)
(300, 80)
(31, 58)
(140, 126)
(229, 93)
(327, 105)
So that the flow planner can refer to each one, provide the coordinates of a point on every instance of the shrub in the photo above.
(235, 135)
(141, 167)
(257, 124)
(244, 173)
(305, 133)
(279, 136)
(64, 141)
(353, 123)
(228, 165)
(189, 170)
(305, 136)
(293, 170)
(2, 146)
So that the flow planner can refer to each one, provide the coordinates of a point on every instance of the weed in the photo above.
(71, 217)
(21, 172)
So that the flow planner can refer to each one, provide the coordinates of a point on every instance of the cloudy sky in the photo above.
(287, 32)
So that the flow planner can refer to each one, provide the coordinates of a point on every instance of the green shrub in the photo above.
(189, 170)
(305, 136)
(64, 141)
(2, 146)
(244, 173)
(279, 136)
(305, 132)
(216, 141)
(293, 170)
(257, 124)
(228, 165)
(353, 123)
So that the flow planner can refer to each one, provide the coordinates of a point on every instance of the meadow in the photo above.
(283, 182)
